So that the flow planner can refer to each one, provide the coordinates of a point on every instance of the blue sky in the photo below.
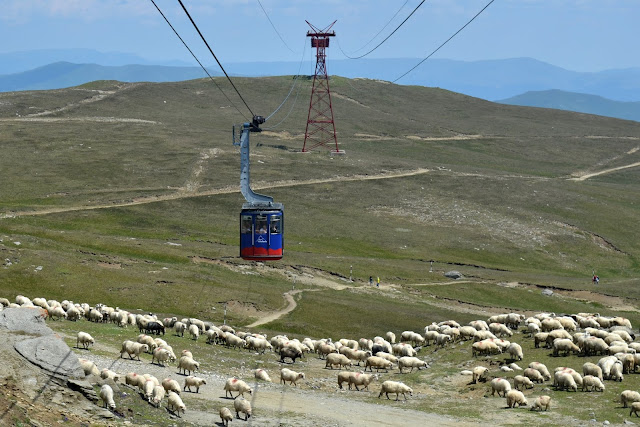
(580, 35)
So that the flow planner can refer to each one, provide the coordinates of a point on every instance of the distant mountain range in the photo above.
(580, 102)
(492, 80)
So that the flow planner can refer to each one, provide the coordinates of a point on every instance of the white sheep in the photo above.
(542, 368)
(515, 350)
(157, 395)
(85, 339)
(57, 313)
(234, 384)
(541, 402)
(261, 374)
(175, 404)
(395, 387)
(107, 373)
(411, 362)
(133, 348)
(225, 416)
(592, 369)
(378, 363)
(629, 396)
(500, 330)
(564, 345)
(515, 367)
(616, 371)
(564, 380)
(89, 367)
(359, 379)
(149, 341)
(505, 368)
(606, 363)
(442, 339)
(179, 327)
(500, 385)
(516, 397)
(186, 363)
(162, 355)
(134, 379)
(337, 359)
(590, 383)
(171, 385)
(194, 331)
(106, 394)
(391, 337)
(522, 381)
(192, 381)
(147, 389)
(291, 376)
(244, 406)
(479, 374)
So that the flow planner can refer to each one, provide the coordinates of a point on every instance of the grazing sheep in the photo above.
(540, 337)
(542, 368)
(359, 379)
(391, 337)
(516, 397)
(291, 376)
(590, 383)
(522, 381)
(395, 387)
(500, 385)
(411, 362)
(616, 372)
(541, 402)
(192, 381)
(564, 380)
(157, 395)
(442, 339)
(564, 345)
(89, 367)
(515, 367)
(57, 313)
(85, 339)
(479, 374)
(179, 327)
(133, 348)
(171, 385)
(134, 379)
(186, 363)
(628, 396)
(261, 374)
(234, 384)
(534, 375)
(378, 363)
(106, 394)
(592, 369)
(194, 331)
(106, 373)
(635, 407)
(605, 364)
(225, 416)
(162, 355)
(500, 330)
(467, 332)
(484, 347)
(244, 406)
(175, 404)
(149, 341)
(515, 350)
(147, 389)
(387, 356)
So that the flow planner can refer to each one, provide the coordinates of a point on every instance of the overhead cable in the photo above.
(381, 30)
(446, 41)
(197, 60)
(215, 57)
(386, 38)
(274, 27)
(295, 80)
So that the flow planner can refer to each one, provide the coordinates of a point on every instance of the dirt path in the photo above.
(225, 190)
(291, 305)
(604, 172)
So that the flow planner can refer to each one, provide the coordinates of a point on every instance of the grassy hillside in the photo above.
(115, 189)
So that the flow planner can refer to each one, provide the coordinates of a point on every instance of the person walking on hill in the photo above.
(370, 281)
(378, 282)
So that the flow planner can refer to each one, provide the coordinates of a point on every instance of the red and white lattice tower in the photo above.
(321, 130)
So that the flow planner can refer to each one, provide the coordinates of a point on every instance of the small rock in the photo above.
(547, 292)
(629, 422)
(606, 423)
(105, 413)
(453, 274)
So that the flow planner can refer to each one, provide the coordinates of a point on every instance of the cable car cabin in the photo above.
(261, 234)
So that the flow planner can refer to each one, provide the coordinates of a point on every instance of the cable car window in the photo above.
(246, 224)
(276, 224)
(261, 224)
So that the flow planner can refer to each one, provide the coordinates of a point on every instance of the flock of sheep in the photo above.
(584, 333)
